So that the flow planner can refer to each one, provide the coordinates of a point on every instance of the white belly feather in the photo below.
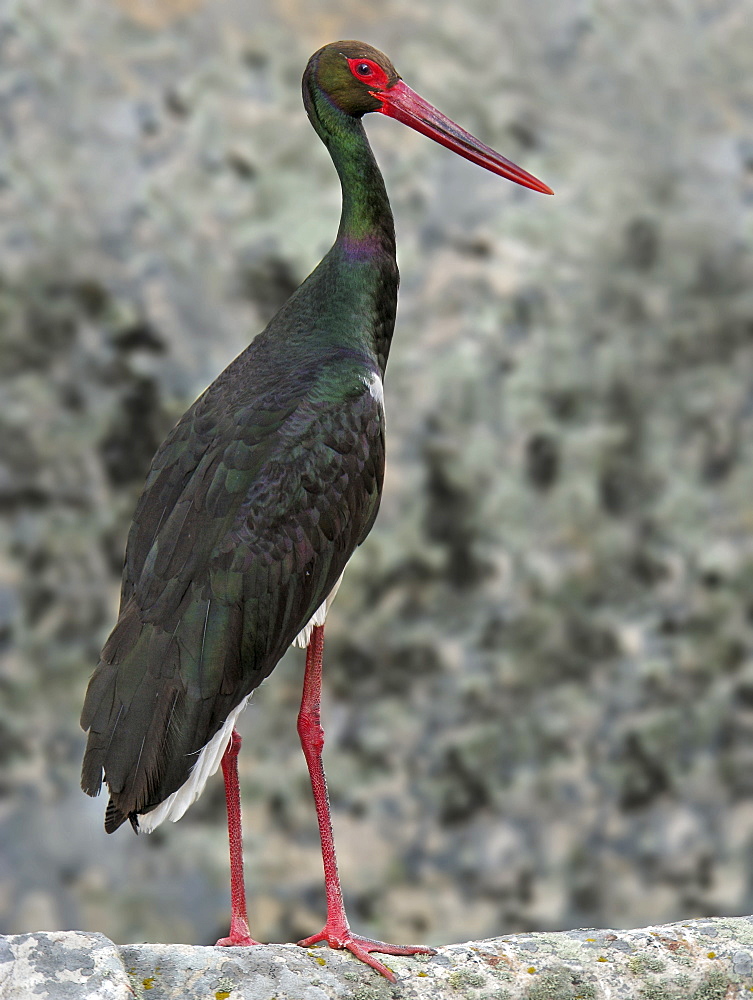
(207, 762)
(210, 757)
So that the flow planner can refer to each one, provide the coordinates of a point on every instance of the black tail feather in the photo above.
(114, 818)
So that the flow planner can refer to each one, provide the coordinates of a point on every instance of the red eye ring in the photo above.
(369, 72)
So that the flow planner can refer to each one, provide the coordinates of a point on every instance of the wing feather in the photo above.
(244, 527)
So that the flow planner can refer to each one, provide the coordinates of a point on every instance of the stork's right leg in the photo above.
(239, 932)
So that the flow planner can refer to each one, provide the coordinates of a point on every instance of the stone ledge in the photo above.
(696, 960)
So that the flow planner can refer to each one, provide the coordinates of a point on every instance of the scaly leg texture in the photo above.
(336, 931)
(239, 932)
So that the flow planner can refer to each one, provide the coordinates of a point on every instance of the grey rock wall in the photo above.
(696, 960)
(539, 671)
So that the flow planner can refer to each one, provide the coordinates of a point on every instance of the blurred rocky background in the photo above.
(539, 671)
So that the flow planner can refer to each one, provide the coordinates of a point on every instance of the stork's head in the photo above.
(355, 78)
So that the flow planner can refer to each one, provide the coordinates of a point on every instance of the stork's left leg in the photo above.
(336, 931)
(239, 932)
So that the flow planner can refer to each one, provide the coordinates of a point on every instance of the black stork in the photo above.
(255, 503)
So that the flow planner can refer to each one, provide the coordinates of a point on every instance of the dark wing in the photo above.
(241, 533)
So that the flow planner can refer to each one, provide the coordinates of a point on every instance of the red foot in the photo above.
(362, 947)
(239, 935)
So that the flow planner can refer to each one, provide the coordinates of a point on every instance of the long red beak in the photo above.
(404, 104)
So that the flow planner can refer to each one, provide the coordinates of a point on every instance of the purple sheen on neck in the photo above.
(361, 247)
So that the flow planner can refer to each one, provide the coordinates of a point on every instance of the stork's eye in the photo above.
(368, 72)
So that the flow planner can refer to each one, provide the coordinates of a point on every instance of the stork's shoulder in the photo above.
(347, 377)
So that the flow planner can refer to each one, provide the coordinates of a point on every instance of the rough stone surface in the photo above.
(62, 965)
(539, 669)
(694, 960)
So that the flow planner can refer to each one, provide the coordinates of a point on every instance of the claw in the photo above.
(239, 936)
(231, 942)
(362, 947)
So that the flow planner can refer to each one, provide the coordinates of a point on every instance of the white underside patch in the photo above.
(318, 618)
(210, 757)
(208, 761)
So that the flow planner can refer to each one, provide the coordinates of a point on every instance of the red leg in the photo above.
(239, 932)
(336, 931)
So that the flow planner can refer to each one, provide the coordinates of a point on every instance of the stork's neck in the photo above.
(360, 271)
(366, 215)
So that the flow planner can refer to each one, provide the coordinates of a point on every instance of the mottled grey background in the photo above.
(539, 669)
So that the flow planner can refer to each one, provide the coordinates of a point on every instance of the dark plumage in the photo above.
(252, 508)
